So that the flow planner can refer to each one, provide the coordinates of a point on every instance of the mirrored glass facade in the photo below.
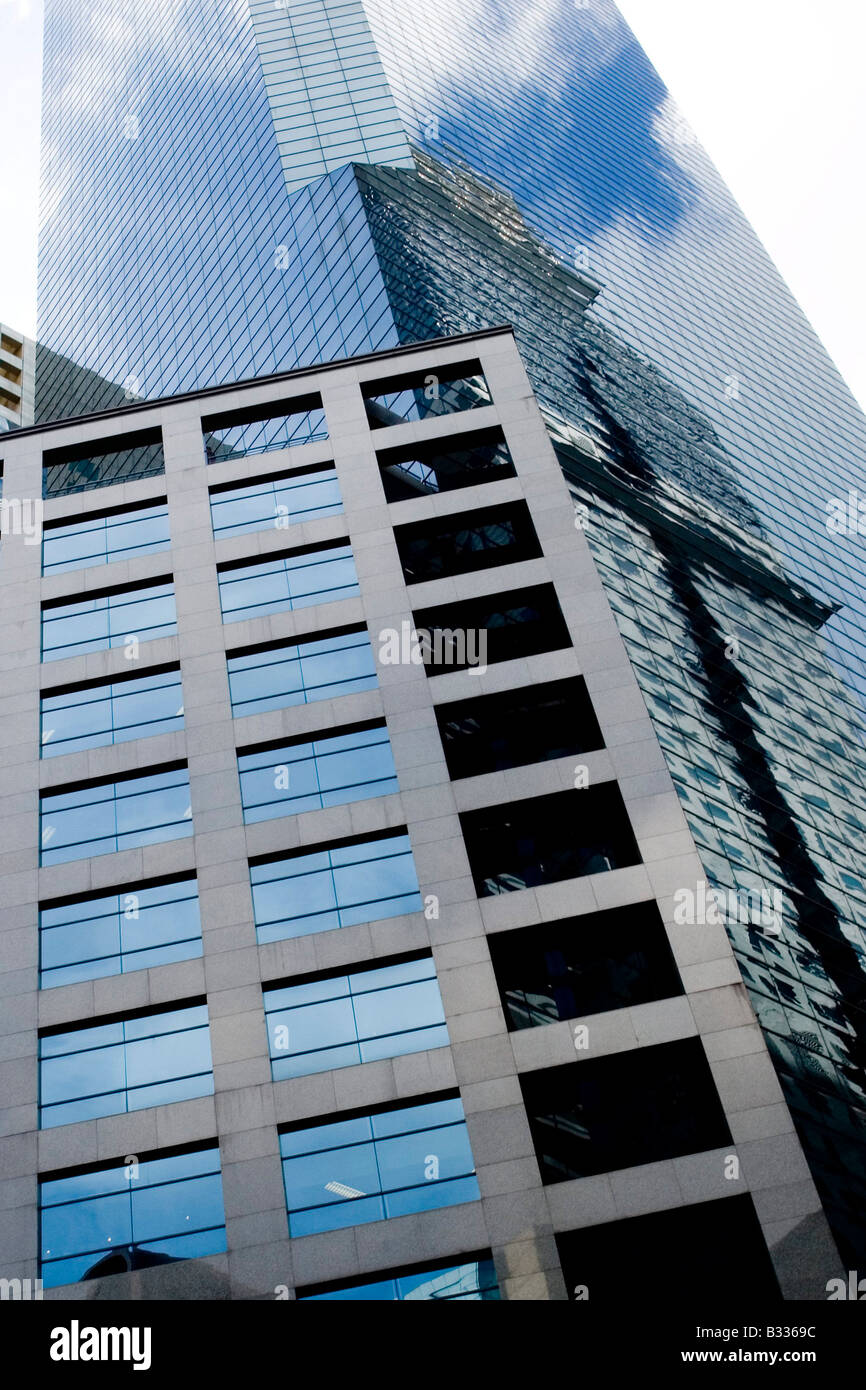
(714, 452)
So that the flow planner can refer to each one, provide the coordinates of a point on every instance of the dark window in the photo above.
(480, 456)
(517, 727)
(470, 1280)
(617, 1112)
(497, 627)
(712, 1250)
(467, 541)
(102, 462)
(233, 434)
(584, 965)
(417, 395)
(548, 838)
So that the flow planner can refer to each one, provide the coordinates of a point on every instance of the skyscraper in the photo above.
(232, 191)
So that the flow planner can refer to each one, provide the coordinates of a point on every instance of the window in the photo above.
(598, 1115)
(468, 541)
(99, 538)
(102, 462)
(335, 886)
(330, 770)
(546, 839)
(272, 677)
(719, 1243)
(420, 394)
(318, 574)
(516, 727)
(414, 470)
(113, 933)
(375, 1165)
(128, 1063)
(470, 1281)
(499, 627)
(235, 434)
(88, 716)
(584, 965)
(128, 1215)
(278, 500)
(144, 611)
(103, 817)
(338, 1020)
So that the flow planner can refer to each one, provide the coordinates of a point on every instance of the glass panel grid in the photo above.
(112, 816)
(349, 1019)
(286, 583)
(132, 1214)
(328, 771)
(112, 1068)
(111, 712)
(350, 1172)
(333, 888)
(119, 932)
(301, 673)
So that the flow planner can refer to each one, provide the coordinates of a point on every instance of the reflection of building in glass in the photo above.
(388, 174)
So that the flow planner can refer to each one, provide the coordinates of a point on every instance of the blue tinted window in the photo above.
(276, 501)
(90, 624)
(348, 1172)
(326, 771)
(131, 1215)
(468, 1282)
(362, 1017)
(335, 887)
(97, 540)
(289, 581)
(224, 439)
(126, 1065)
(118, 932)
(299, 673)
(115, 815)
(111, 712)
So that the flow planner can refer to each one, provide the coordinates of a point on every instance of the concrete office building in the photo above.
(236, 190)
(17, 378)
(336, 967)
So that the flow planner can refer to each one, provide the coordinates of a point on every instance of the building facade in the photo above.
(17, 378)
(341, 952)
(235, 191)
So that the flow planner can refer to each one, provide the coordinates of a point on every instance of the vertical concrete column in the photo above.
(20, 639)
(256, 1229)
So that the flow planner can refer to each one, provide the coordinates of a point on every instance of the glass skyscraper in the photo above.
(234, 190)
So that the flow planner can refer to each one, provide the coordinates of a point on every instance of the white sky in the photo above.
(774, 89)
